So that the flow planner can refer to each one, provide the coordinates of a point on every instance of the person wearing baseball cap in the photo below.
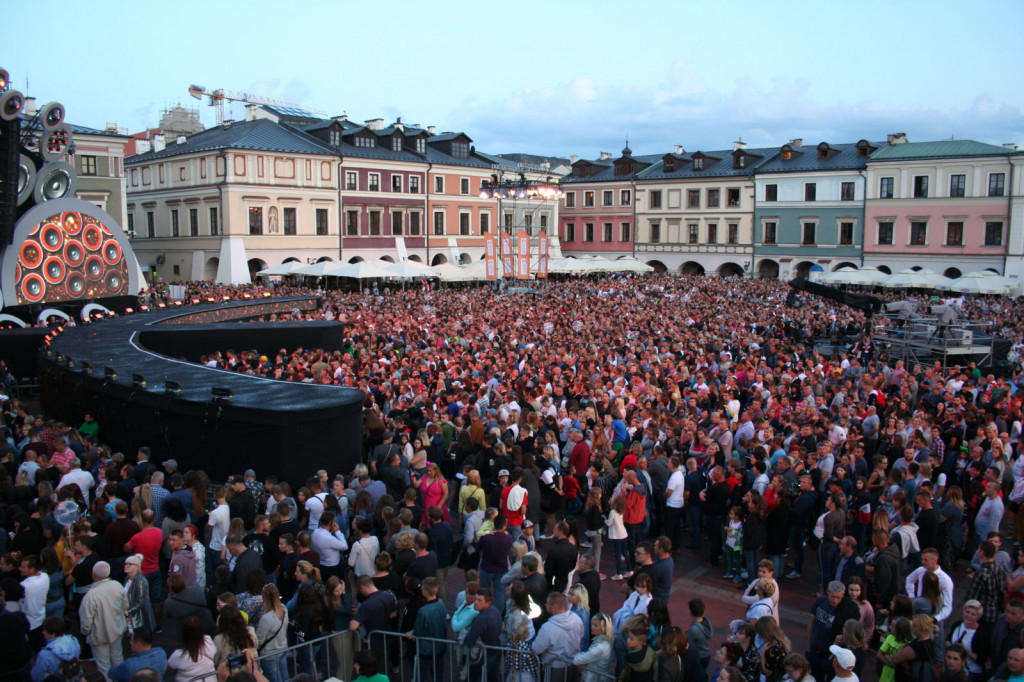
(844, 661)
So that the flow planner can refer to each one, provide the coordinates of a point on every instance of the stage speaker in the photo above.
(11, 104)
(56, 180)
(26, 178)
(54, 143)
(51, 116)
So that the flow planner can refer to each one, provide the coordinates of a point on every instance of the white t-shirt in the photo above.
(676, 484)
(220, 521)
(186, 669)
(315, 507)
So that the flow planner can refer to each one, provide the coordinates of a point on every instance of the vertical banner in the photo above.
(542, 254)
(506, 254)
(403, 254)
(491, 255)
(523, 257)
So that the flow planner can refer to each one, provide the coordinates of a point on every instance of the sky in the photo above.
(550, 78)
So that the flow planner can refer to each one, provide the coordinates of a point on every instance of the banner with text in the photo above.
(491, 255)
(542, 253)
(523, 257)
(506, 254)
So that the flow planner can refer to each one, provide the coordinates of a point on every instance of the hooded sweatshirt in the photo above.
(700, 635)
(56, 651)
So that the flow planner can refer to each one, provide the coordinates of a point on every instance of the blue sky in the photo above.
(560, 78)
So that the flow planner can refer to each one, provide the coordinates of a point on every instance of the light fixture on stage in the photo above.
(59, 358)
(172, 388)
(70, 362)
(86, 367)
(54, 143)
(110, 374)
(221, 396)
(12, 103)
(51, 116)
(139, 381)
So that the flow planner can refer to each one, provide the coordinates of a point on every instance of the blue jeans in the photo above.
(750, 559)
(780, 564)
(432, 666)
(828, 561)
(276, 668)
(307, 656)
(623, 559)
(797, 538)
(493, 581)
(493, 662)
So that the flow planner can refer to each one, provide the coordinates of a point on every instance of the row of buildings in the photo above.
(284, 185)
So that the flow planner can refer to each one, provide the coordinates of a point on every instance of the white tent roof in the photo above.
(288, 268)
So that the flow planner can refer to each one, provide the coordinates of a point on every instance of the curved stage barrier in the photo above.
(140, 376)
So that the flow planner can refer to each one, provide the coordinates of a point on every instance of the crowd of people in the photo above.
(509, 440)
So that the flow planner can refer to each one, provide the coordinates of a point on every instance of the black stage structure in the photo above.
(140, 375)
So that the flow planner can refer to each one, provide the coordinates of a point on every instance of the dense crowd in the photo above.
(509, 440)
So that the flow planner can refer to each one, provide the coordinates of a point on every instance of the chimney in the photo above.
(738, 145)
(343, 117)
(573, 159)
(797, 142)
(159, 142)
(30, 106)
(143, 146)
(431, 130)
(1012, 146)
(375, 123)
(181, 139)
(897, 138)
(605, 156)
(679, 150)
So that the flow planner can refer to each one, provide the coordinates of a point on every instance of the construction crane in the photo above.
(218, 97)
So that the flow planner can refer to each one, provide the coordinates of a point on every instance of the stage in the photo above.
(139, 374)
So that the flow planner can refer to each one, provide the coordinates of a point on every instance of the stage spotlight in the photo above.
(139, 381)
(5, 79)
(51, 116)
(110, 374)
(221, 396)
(172, 388)
(70, 362)
(86, 367)
(54, 143)
(12, 103)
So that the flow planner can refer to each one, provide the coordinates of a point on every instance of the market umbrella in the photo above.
(914, 279)
(977, 283)
(449, 272)
(631, 265)
(321, 269)
(288, 268)
(362, 270)
(409, 268)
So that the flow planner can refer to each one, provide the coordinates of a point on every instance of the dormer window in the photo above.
(864, 148)
(741, 160)
(335, 138)
(698, 163)
(460, 150)
(670, 165)
(624, 169)
(824, 151)
(421, 145)
(366, 141)
(396, 143)
(787, 153)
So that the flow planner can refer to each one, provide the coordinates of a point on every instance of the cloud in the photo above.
(582, 116)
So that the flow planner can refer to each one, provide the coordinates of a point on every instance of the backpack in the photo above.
(71, 670)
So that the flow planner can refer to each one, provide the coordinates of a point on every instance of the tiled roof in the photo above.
(75, 128)
(607, 169)
(940, 149)
(260, 135)
(807, 159)
(718, 163)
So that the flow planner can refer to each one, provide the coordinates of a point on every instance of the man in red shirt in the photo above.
(513, 504)
(579, 456)
(148, 542)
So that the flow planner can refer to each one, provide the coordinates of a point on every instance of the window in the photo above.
(288, 215)
(955, 234)
(131, 225)
(174, 223)
(335, 136)
(771, 192)
(846, 191)
(464, 223)
(88, 165)
(741, 161)
(570, 199)
(733, 235)
(414, 184)
(787, 154)
(608, 198)
(396, 182)
(627, 232)
(918, 233)
(464, 185)
(920, 186)
(460, 150)
(374, 222)
(698, 163)
(713, 197)
(214, 221)
(176, 269)
(809, 234)
(544, 221)
(692, 233)
(993, 233)
(414, 223)
(957, 185)
(996, 184)
(485, 223)
(693, 198)
(588, 198)
(885, 232)
(810, 191)
(193, 222)
(625, 197)
(438, 222)
(885, 187)
(846, 234)
(351, 180)
(439, 184)
(352, 223)
(588, 232)
(733, 197)
(771, 232)
(396, 143)
(374, 185)
(528, 223)
(255, 220)
(669, 165)
(655, 231)
(607, 236)
(363, 141)
(509, 221)
(656, 198)
(421, 145)
(396, 222)
(712, 233)
(570, 232)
